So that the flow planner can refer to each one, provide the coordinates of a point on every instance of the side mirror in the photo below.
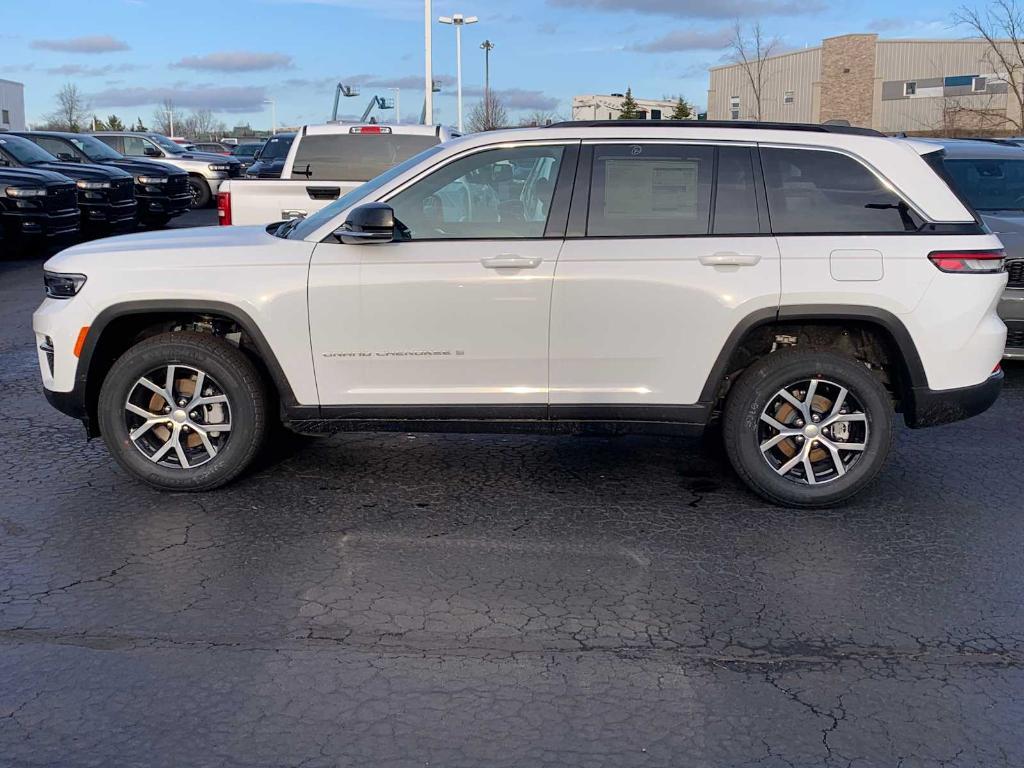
(151, 152)
(370, 223)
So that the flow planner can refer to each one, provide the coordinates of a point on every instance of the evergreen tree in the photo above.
(139, 125)
(682, 110)
(629, 109)
(114, 123)
(98, 124)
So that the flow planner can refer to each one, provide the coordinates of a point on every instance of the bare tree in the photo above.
(201, 124)
(72, 110)
(751, 51)
(488, 114)
(167, 118)
(1001, 26)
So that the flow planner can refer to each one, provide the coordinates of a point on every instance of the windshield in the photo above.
(245, 150)
(302, 228)
(276, 148)
(25, 152)
(989, 184)
(166, 144)
(95, 149)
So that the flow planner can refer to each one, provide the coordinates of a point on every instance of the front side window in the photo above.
(170, 147)
(55, 147)
(818, 191)
(94, 149)
(135, 146)
(650, 189)
(497, 193)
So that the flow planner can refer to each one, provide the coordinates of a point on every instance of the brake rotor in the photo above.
(187, 388)
(786, 411)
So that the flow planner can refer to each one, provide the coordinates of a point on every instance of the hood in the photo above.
(206, 157)
(10, 176)
(85, 171)
(267, 166)
(169, 248)
(1008, 226)
(144, 167)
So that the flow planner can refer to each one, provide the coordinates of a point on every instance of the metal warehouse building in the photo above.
(916, 86)
(12, 106)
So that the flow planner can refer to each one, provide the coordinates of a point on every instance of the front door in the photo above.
(457, 312)
(668, 250)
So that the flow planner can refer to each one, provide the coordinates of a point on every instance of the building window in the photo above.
(978, 85)
(655, 114)
(734, 107)
(787, 97)
(5, 117)
(910, 88)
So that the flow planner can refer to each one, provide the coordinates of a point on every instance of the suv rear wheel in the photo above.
(201, 195)
(183, 411)
(808, 428)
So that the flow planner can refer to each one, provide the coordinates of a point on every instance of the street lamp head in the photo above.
(458, 19)
(470, 20)
(446, 19)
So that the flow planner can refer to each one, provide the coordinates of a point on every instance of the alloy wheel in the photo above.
(813, 431)
(178, 416)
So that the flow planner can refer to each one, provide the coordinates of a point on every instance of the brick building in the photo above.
(917, 86)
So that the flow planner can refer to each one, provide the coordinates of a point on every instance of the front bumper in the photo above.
(46, 224)
(164, 206)
(931, 407)
(109, 217)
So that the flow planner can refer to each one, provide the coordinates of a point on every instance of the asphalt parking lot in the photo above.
(461, 600)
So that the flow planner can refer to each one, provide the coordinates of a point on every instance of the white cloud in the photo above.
(87, 44)
(235, 61)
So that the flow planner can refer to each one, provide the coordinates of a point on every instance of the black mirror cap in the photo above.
(369, 223)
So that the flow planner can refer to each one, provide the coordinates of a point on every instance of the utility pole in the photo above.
(398, 105)
(487, 46)
(458, 21)
(273, 116)
(170, 118)
(428, 85)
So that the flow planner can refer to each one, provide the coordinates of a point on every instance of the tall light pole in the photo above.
(398, 105)
(273, 116)
(487, 47)
(170, 118)
(458, 21)
(428, 84)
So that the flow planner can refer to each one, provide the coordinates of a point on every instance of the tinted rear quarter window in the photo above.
(815, 191)
(356, 157)
(736, 193)
(650, 190)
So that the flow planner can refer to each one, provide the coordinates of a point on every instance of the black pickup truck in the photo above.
(161, 190)
(106, 195)
(36, 208)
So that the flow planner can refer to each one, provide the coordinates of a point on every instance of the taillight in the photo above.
(968, 261)
(224, 208)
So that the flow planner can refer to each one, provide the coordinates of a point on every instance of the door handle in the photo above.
(730, 259)
(511, 261)
(323, 193)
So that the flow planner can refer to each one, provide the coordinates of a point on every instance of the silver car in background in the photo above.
(205, 170)
(989, 175)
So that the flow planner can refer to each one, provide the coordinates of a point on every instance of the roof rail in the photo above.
(764, 126)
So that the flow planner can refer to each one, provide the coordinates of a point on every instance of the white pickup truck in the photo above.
(324, 163)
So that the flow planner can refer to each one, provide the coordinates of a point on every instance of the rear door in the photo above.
(668, 250)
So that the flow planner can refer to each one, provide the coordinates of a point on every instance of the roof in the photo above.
(977, 149)
(718, 124)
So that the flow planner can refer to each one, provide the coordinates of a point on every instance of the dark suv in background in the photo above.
(989, 176)
(247, 153)
(106, 195)
(161, 190)
(36, 207)
(270, 160)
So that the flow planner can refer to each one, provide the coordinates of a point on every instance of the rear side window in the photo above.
(812, 191)
(650, 189)
(356, 157)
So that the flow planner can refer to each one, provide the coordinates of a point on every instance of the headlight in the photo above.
(219, 167)
(151, 179)
(25, 192)
(83, 184)
(62, 285)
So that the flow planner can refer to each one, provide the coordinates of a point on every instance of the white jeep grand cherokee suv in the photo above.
(804, 283)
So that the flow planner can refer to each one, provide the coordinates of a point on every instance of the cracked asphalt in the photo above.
(461, 600)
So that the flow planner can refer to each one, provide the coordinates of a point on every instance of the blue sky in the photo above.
(229, 55)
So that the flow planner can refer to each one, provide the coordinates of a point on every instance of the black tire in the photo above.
(757, 390)
(200, 190)
(236, 377)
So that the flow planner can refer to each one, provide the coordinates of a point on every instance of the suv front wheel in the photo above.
(183, 411)
(808, 428)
